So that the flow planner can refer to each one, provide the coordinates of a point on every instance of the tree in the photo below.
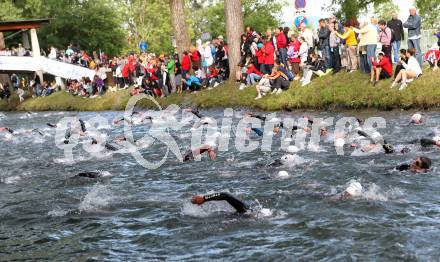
(148, 20)
(183, 41)
(351, 8)
(260, 14)
(234, 29)
(384, 10)
(8, 11)
(90, 24)
(429, 10)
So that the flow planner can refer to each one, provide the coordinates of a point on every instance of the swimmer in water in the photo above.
(385, 145)
(426, 142)
(52, 125)
(202, 119)
(419, 165)
(7, 129)
(353, 190)
(190, 155)
(92, 175)
(237, 204)
(417, 119)
(107, 145)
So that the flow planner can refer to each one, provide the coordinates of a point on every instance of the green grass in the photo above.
(343, 91)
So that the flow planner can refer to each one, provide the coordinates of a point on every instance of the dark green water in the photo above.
(140, 214)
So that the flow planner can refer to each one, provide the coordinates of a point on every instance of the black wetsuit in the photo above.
(403, 167)
(239, 205)
(89, 174)
(197, 113)
(83, 125)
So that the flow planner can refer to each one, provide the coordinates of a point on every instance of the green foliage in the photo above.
(351, 8)
(149, 20)
(8, 10)
(384, 10)
(429, 10)
(260, 14)
(90, 24)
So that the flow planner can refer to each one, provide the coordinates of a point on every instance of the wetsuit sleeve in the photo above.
(237, 204)
(196, 113)
(262, 118)
(258, 131)
(89, 174)
(403, 167)
(83, 125)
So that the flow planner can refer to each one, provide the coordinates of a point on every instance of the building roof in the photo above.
(18, 25)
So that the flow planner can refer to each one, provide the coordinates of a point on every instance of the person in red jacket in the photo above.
(381, 69)
(252, 75)
(269, 57)
(195, 58)
(281, 46)
(186, 64)
(126, 75)
(260, 57)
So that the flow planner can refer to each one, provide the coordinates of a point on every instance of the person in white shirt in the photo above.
(412, 70)
(307, 34)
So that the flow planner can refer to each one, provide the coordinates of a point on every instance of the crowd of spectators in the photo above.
(269, 60)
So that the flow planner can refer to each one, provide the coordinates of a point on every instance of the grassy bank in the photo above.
(343, 91)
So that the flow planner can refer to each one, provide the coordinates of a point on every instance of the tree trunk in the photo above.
(178, 20)
(234, 29)
(2, 41)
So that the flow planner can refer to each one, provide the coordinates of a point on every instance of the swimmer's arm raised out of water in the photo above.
(203, 149)
(237, 204)
(262, 118)
(195, 112)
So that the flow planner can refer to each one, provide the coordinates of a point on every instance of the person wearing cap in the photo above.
(381, 68)
(417, 119)
(353, 190)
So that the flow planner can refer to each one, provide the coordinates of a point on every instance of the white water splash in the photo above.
(58, 212)
(10, 180)
(98, 198)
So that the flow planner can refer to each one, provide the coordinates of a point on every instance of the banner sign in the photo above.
(49, 66)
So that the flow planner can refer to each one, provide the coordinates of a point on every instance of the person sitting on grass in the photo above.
(276, 82)
(213, 79)
(151, 87)
(399, 65)
(192, 83)
(412, 70)
(315, 65)
(381, 68)
(253, 75)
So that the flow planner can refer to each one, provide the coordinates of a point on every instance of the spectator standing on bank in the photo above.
(396, 27)
(414, 24)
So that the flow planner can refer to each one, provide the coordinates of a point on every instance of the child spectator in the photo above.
(382, 69)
